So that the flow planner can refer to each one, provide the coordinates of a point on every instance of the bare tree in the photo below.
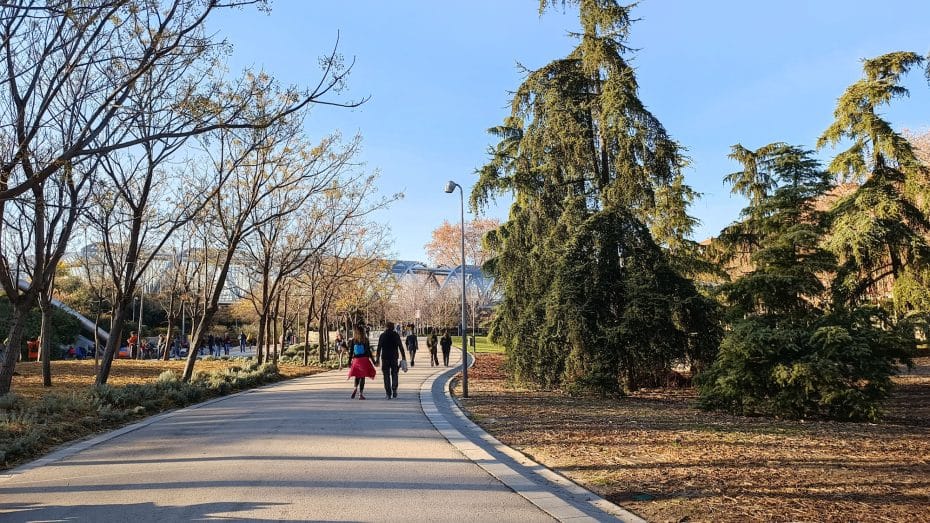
(117, 76)
(272, 174)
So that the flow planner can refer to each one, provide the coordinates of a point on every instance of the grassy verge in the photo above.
(482, 345)
(34, 419)
(655, 453)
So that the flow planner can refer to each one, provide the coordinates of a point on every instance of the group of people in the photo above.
(390, 354)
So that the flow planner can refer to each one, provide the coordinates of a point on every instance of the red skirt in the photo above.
(362, 368)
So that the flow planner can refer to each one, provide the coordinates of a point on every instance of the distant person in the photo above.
(446, 343)
(242, 341)
(433, 345)
(226, 343)
(133, 343)
(390, 352)
(80, 352)
(360, 362)
(411, 343)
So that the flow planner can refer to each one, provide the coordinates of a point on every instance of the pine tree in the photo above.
(880, 231)
(590, 299)
(791, 351)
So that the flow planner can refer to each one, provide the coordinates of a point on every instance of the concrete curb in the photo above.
(552, 492)
(74, 448)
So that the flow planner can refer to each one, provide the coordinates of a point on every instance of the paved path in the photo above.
(296, 450)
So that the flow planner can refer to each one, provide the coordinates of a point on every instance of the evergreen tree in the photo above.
(590, 299)
(790, 351)
(880, 231)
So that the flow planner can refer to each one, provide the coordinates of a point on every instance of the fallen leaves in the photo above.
(657, 454)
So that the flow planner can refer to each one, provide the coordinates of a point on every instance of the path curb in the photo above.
(550, 491)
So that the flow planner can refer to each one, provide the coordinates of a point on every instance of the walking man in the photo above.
(432, 344)
(446, 343)
(411, 342)
(390, 352)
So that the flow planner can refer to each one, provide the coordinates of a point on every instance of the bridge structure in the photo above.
(442, 278)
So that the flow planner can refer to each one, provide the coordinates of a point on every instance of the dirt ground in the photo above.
(71, 375)
(658, 455)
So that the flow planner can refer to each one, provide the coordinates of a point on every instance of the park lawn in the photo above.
(25, 438)
(482, 345)
(658, 455)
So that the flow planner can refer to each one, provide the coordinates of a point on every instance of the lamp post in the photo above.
(450, 187)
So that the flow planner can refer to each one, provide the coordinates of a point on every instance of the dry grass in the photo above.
(23, 439)
(73, 375)
(658, 455)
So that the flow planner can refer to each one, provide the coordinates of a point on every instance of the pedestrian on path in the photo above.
(360, 362)
(242, 340)
(390, 352)
(432, 344)
(411, 343)
(446, 343)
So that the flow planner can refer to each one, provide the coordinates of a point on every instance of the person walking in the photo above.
(242, 340)
(446, 343)
(432, 344)
(411, 343)
(389, 349)
(360, 362)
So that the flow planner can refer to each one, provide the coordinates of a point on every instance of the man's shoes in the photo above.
(354, 392)
(395, 394)
(388, 397)
(361, 396)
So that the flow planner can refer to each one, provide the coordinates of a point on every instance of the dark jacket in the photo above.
(389, 347)
(411, 342)
(446, 343)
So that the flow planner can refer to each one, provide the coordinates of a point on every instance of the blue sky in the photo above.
(439, 74)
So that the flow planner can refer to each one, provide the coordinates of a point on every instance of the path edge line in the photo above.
(562, 510)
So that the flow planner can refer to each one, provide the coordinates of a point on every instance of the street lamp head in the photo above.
(450, 186)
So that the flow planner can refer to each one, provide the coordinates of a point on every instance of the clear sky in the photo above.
(439, 74)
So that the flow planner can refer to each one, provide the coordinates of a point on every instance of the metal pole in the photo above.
(464, 331)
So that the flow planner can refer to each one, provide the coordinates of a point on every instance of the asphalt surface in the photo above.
(299, 450)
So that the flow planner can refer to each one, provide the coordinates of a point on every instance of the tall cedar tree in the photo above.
(790, 352)
(591, 300)
(880, 231)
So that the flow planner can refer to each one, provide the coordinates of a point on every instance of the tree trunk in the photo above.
(113, 342)
(274, 326)
(11, 349)
(45, 338)
(307, 337)
(166, 350)
(261, 340)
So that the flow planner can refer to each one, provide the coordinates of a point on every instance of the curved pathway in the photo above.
(299, 450)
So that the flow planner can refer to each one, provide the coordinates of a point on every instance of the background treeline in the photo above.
(801, 308)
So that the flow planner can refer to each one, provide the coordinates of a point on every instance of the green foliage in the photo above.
(791, 351)
(589, 261)
(837, 368)
(880, 231)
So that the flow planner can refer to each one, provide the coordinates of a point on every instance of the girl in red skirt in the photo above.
(361, 361)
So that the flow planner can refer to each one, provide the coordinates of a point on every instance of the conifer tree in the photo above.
(590, 299)
(880, 231)
(790, 351)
